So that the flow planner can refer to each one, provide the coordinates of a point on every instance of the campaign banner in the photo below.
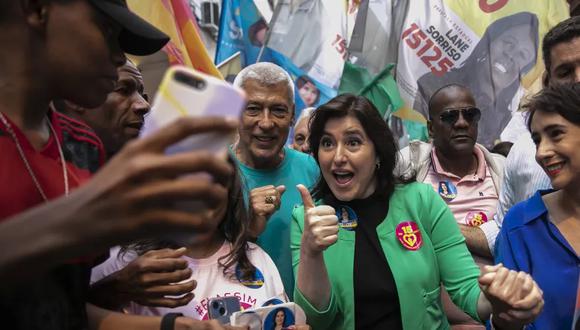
(492, 47)
(313, 35)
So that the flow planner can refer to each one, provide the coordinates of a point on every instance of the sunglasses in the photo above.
(451, 116)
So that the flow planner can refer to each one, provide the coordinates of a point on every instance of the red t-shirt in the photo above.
(56, 299)
(82, 149)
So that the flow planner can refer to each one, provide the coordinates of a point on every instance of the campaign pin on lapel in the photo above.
(409, 235)
(347, 218)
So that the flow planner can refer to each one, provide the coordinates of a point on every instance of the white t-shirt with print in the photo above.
(211, 282)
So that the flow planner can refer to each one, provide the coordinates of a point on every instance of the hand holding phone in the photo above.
(185, 92)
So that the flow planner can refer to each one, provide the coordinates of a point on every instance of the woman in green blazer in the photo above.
(382, 265)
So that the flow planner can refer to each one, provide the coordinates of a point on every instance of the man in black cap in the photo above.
(70, 49)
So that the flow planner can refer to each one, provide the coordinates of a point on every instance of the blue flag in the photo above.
(244, 30)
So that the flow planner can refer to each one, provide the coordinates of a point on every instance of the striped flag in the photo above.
(175, 18)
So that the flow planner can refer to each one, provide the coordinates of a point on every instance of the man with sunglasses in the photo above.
(464, 173)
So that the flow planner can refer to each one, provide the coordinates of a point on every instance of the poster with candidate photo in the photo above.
(492, 47)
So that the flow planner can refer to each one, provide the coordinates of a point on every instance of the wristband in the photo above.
(168, 321)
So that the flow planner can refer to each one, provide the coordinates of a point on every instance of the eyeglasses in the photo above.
(451, 116)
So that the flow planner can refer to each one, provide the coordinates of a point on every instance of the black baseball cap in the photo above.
(138, 37)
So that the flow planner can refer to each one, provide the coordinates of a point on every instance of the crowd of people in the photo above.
(359, 234)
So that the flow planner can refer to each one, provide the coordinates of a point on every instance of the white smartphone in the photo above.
(186, 92)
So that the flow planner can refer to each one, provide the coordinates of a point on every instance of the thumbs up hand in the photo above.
(320, 225)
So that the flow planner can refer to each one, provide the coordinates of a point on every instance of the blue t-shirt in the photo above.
(296, 168)
(530, 242)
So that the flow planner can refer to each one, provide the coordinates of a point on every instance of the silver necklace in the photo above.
(27, 164)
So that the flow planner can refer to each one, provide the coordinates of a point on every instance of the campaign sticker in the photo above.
(347, 218)
(255, 283)
(409, 235)
(475, 219)
(447, 190)
(280, 318)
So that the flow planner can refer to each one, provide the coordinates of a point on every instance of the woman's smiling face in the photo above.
(557, 141)
(347, 159)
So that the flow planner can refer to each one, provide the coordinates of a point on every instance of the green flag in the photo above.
(381, 89)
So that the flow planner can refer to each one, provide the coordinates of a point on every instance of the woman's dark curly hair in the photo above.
(234, 226)
(376, 129)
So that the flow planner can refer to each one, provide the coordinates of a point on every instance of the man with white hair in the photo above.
(268, 167)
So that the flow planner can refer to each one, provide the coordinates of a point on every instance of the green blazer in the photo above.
(443, 258)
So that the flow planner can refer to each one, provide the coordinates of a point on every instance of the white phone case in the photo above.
(175, 99)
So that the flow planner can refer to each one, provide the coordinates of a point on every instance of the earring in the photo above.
(378, 164)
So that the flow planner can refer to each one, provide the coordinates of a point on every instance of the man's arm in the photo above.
(131, 197)
(476, 240)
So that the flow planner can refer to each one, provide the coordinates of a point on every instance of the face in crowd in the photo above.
(91, 74)
(347, 159)
(266, 121)
(453, 120)
(555, 128)
(354, 148)
(565, 62)
(120, 118)
(300, 140)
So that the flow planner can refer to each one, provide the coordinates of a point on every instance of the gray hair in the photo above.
(305, 114)
(265, 73)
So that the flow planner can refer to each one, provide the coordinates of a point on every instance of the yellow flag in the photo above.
(174, 17)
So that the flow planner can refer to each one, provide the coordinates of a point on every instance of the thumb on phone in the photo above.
(306, 197)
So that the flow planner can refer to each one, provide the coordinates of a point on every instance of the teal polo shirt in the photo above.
(296, 168)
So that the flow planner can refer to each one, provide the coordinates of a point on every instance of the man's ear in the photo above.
(35, 11)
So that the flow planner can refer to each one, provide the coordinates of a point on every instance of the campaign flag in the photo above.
(492, 47)
(381, 89)
(175, 18)
(372, 53)
(313, 35)
(243, 29)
